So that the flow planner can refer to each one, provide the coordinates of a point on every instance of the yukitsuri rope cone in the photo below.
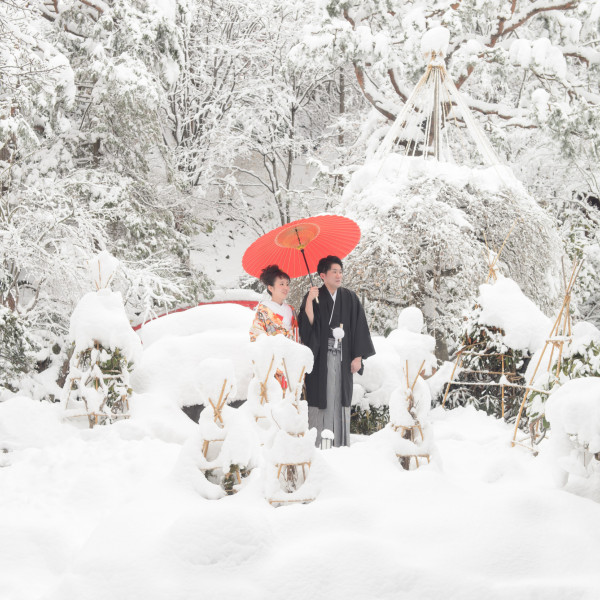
(560, 334)
(105, 348)
(476, 352)
(429, 124)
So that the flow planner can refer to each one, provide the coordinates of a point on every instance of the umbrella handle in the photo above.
(307, 269)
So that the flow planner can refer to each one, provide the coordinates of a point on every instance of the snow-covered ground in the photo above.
(114, 513)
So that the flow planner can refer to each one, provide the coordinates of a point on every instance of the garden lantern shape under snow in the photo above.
(326, 439)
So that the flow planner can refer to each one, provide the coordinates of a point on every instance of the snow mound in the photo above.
(503, 305)
(27, 423)
(102, 269)
(435, 41)
(100, 317)
(574, 409)
(169, 367)
(197, 320)
(411, 319)
(216, 378)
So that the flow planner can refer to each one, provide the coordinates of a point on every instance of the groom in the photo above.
(329, 386)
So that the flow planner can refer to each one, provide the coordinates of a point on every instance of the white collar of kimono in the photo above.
(283, 310)
(333, 297)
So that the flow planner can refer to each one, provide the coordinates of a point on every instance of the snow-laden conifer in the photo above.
(105, 347)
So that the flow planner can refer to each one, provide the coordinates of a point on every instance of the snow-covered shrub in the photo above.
(500, 334)
(290, 445)
(424, 225)
(17, 349)
(382, 374)
(105, 349)
(265, 356)
(372, 389)
(580, 358)
(579, 219)
(573, 411)
(410, 402)
(226, 449)
(369, 419)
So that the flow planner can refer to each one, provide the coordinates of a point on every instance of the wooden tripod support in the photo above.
(560, 334)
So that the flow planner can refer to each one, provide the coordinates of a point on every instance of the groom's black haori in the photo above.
(356, 341)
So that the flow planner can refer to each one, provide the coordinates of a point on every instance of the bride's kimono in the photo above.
(275, 319)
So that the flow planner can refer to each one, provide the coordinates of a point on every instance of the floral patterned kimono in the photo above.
(274, 319)
(267, 320)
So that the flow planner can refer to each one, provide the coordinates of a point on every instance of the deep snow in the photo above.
(114, 513)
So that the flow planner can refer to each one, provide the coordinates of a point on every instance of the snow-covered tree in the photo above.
(579, 219)
(16, 349)
(529, 69)
(426, 226)
(105, 349)
(250, 120)
(80, 160)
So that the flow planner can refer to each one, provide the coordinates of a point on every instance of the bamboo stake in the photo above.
(564, 313)
(456, 365)
(412, 387)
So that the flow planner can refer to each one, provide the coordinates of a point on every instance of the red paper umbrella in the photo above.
(297, 247)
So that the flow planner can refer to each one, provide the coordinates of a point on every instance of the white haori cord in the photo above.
(338, 334)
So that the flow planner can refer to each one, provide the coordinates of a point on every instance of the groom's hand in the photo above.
(356, 364)
(313, 294)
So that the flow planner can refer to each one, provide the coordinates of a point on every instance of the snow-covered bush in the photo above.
(105, 347)
(17, 349)
(573, 411)
(580, 358)
(410, 402)
(227, 445)
(382, 375)
(424, 226)
(265, 356)
(289, 452)
(500, 334)
(373, 388)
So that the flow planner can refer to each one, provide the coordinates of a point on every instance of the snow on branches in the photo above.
(426, 227)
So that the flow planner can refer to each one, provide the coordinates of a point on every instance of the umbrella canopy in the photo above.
(297, 247)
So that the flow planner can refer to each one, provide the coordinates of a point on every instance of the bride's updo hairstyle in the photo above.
(270, 274)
